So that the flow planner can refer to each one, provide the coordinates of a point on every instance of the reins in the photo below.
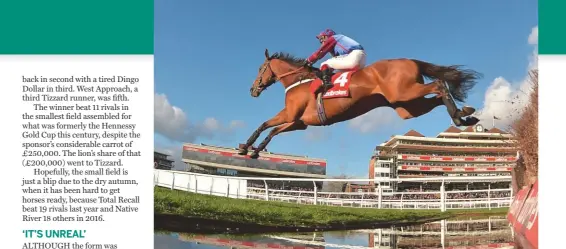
(277, 77)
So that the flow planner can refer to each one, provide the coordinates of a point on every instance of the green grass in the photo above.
(287, 214)
(477, 213)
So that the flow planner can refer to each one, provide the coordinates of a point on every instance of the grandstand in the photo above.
(162, 161)
(217, 160)
(408, 167)
(475, 151)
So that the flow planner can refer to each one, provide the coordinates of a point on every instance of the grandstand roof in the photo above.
(413, 133)
(496, 130)
(452, 129)
(160, 153)
(455, 135)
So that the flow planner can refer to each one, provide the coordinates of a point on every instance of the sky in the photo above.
(207, 54)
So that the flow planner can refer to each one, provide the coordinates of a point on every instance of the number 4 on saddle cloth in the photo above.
(341, 88)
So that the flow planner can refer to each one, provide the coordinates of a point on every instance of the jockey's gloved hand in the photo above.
(308, 63)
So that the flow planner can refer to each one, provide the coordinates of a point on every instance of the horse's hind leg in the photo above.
(421, 106)
(293, 126)
(416, 107)
(456, 114)
(275, 121)
(416, 90)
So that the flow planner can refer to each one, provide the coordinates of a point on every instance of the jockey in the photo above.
(347, 54)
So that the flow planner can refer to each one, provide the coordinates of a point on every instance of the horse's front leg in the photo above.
(293, 126)
(275, 121)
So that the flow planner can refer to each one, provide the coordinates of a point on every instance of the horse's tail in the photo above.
(460, 80)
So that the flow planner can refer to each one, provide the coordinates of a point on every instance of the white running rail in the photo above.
(237, 187)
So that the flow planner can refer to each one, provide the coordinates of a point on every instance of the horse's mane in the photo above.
(295, 61)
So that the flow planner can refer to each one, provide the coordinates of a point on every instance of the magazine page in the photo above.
(280, 124)
(78, 114)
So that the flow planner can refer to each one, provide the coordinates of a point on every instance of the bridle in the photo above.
(264, 85)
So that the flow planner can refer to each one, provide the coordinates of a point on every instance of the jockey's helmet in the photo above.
(327, 33)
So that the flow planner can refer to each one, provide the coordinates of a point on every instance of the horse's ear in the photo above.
(266, 54)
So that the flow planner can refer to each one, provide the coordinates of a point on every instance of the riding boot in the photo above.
(326, 77)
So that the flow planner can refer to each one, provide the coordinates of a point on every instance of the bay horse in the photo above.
(394, 83)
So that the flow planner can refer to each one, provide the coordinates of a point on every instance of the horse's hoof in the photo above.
(469, 121)
(254, 155)
(242, 151)
(457, 122)
(467, 111)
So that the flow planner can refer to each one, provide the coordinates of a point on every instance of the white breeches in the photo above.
(354, 60)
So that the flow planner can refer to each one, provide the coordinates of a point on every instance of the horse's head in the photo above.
(265, 78)
(281, 67)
